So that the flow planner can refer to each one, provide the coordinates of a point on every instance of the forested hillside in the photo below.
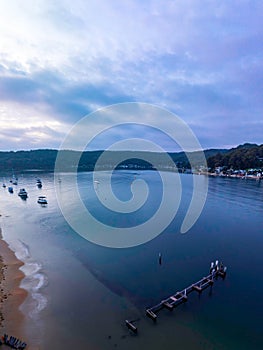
(242, 157)
(245, 156)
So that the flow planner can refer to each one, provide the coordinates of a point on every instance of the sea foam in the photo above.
(34, 281)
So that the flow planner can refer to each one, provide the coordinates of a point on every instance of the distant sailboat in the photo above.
(96, 184)
(14, 179)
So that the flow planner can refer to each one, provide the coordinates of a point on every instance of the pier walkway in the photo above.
(216, 270)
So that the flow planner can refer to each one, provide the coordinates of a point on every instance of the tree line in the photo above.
(242, 157)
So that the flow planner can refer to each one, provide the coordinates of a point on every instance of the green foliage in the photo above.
(243, 157)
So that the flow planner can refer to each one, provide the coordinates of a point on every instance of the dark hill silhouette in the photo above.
(241, 157)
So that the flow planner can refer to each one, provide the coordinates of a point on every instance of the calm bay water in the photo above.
(81, 293)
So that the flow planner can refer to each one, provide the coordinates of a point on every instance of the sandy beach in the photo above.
(11, 295)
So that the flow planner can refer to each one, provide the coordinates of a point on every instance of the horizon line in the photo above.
(128, 150)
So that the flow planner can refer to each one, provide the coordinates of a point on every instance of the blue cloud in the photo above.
(68, 101)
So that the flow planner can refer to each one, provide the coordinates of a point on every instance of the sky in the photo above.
(199, 59)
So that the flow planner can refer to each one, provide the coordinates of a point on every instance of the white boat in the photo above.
(22, 193)
(4, 185)
(42, 200)
(96, 184)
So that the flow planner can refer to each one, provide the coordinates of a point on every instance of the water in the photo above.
(82, 291)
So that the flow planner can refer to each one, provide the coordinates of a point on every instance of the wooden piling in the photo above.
(131, 326)
(197, 288)
(151, 314)
(168, 305)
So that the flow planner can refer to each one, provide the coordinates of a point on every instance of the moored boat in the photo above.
(42, 200)
(10, 189)
(39, 183)
(14, 180)
(22, 193)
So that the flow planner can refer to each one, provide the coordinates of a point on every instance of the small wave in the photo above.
(41, 303)
(34, 279)
(21, 250)
(41, 281)
(33, 283)
(30, 268)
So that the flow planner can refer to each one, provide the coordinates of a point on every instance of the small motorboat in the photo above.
(39, 183)
(10, 189)
(4, 185)
(22, 193)
(42, 200)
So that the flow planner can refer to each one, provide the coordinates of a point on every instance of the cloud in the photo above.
(68, 100)
(29, 138)
(199, 59)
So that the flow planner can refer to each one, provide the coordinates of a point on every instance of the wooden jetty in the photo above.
(216, 270)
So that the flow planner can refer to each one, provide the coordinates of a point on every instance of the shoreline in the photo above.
(11, 295)
(232, 176)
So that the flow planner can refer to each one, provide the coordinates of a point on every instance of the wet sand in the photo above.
(11, 295)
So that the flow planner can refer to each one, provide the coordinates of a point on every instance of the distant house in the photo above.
(219, 169)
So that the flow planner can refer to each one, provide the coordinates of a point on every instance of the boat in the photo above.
(39, 183)
(10, 189)
(14, 180)
(22, 193)
(12, 342)
(96, 184)
(4, 185)
(42, 200)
